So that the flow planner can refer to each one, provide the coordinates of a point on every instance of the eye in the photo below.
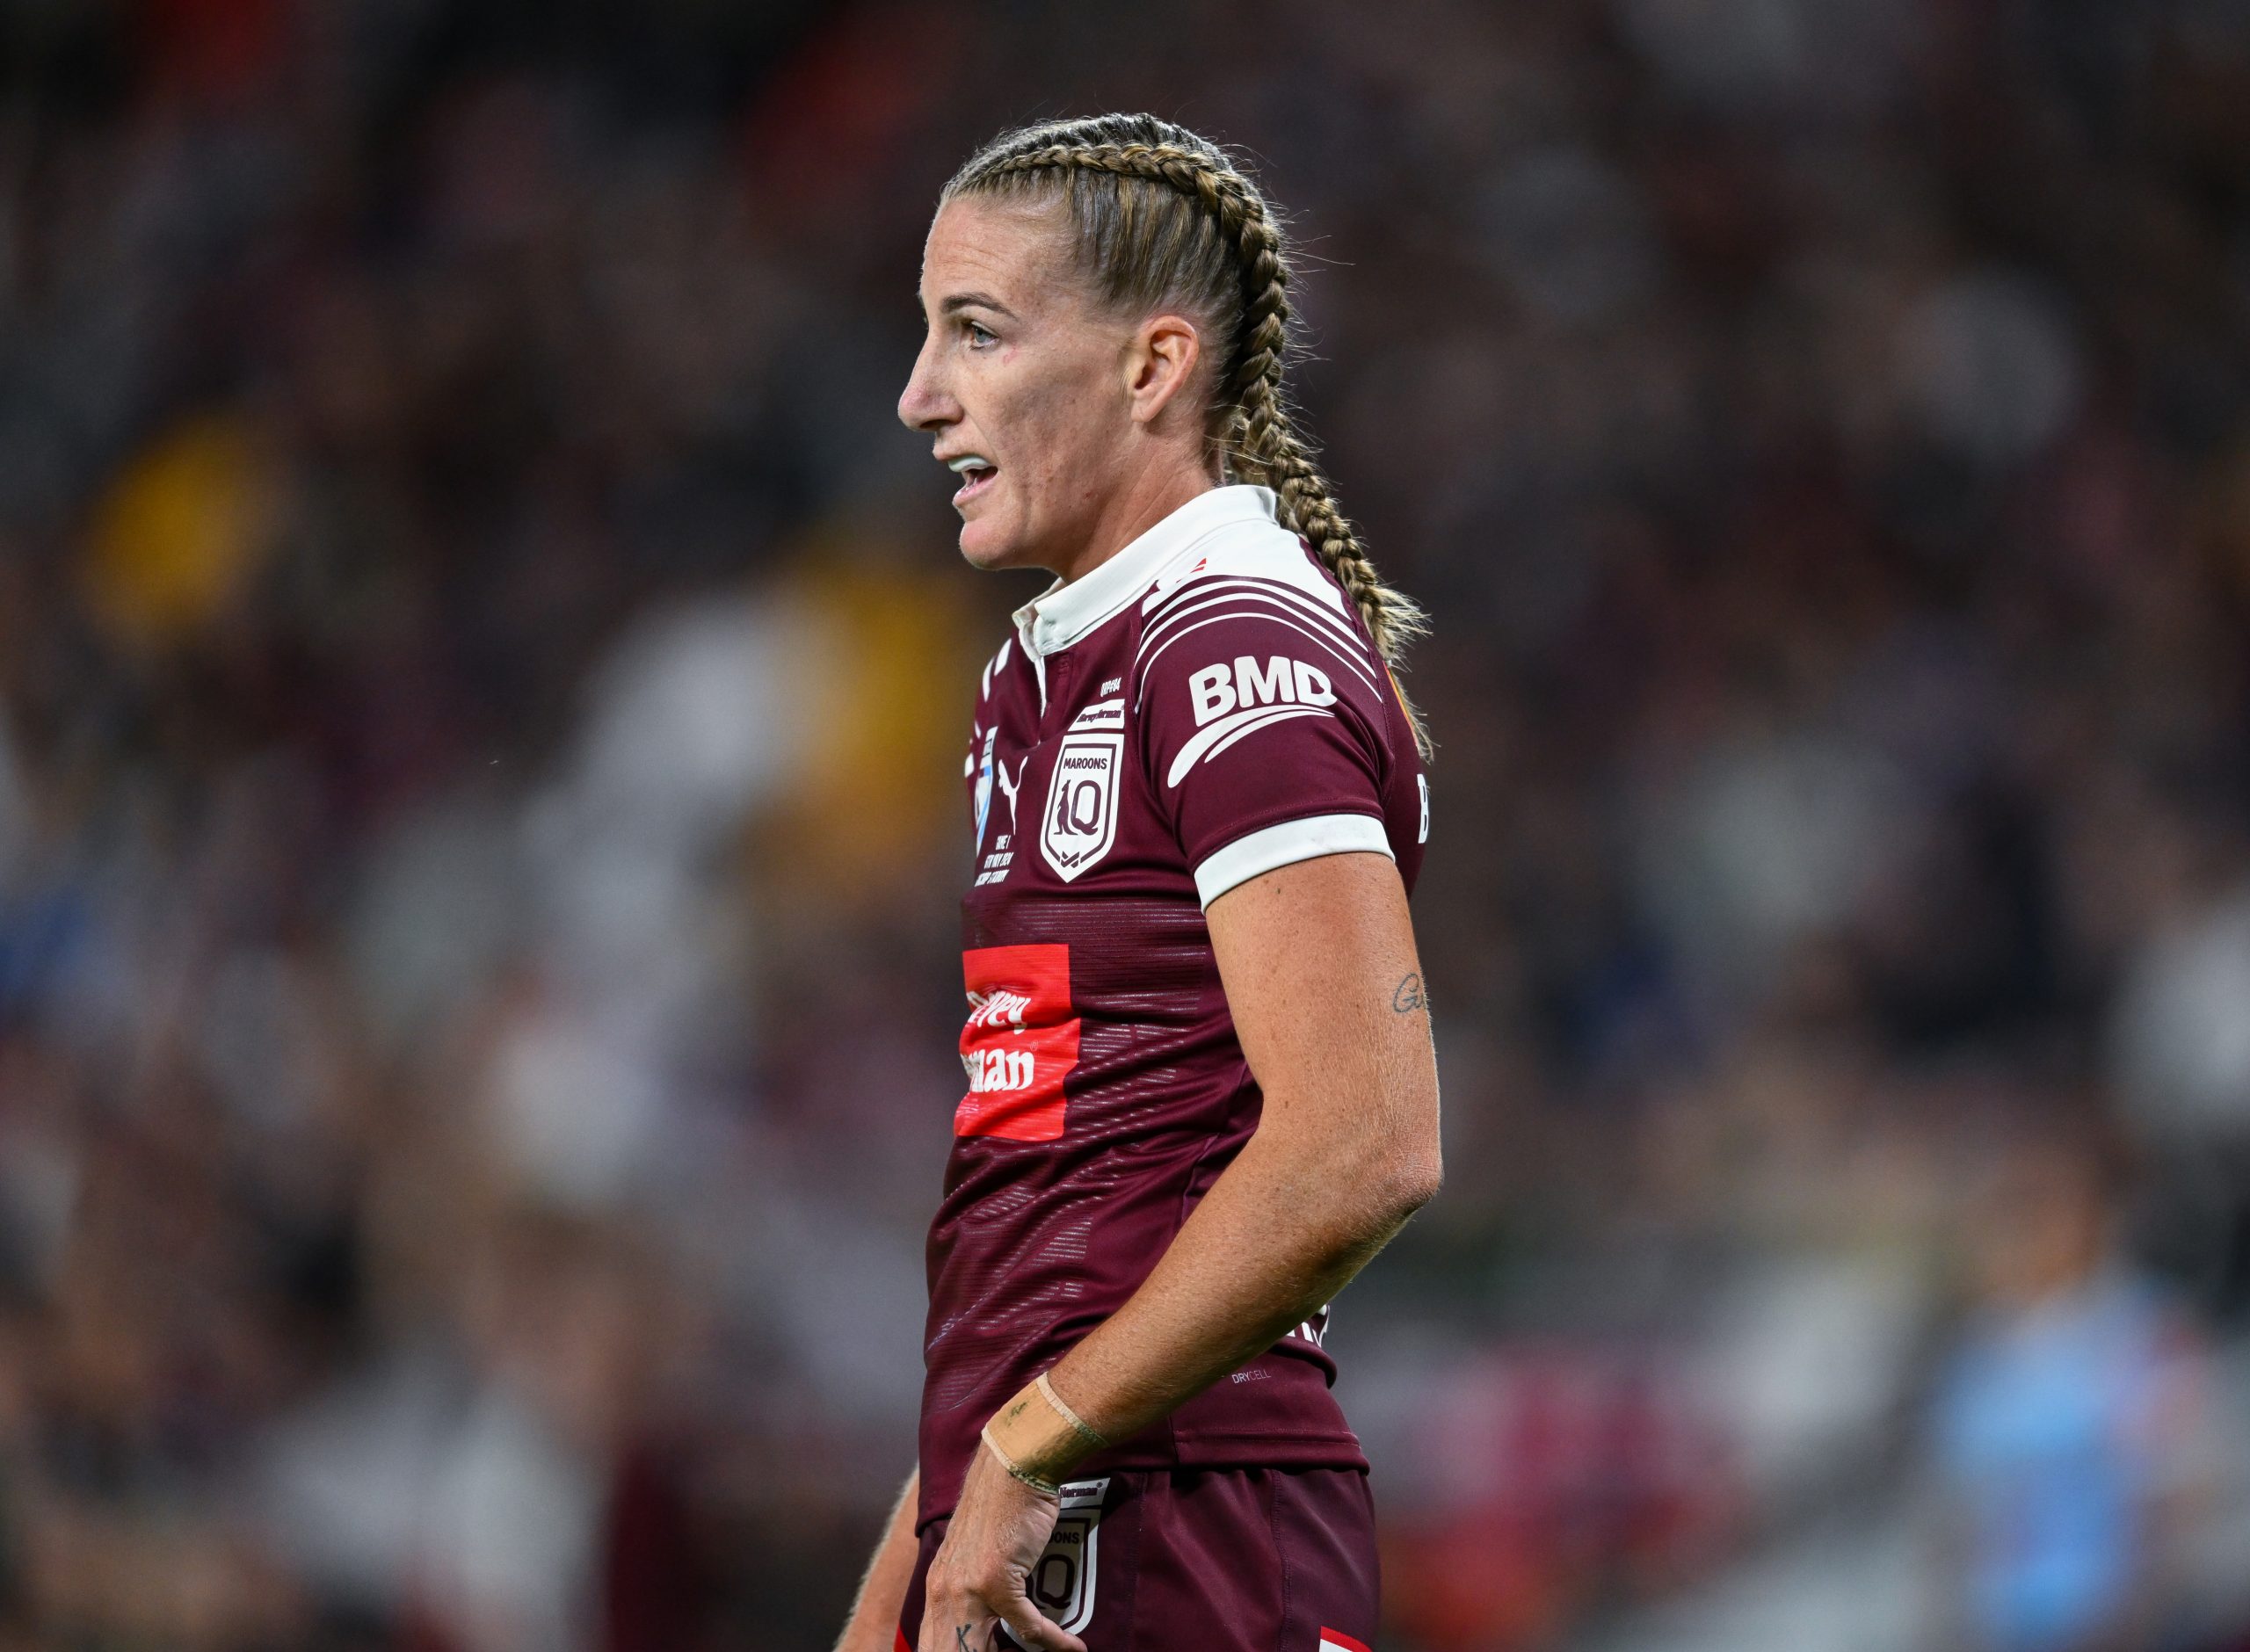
(979, 334)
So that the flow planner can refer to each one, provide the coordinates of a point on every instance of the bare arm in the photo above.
(1321, 975)
(1320, 971)
(873, 1625)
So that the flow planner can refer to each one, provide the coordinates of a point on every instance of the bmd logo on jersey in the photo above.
(1233, 701)
(1080, 821)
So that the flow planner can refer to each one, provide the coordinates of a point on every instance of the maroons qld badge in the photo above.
(1079, 824)
(1062, 1581)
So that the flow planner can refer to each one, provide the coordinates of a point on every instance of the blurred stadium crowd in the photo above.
(481, 678)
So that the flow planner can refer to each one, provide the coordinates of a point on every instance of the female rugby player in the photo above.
(1202, 1091)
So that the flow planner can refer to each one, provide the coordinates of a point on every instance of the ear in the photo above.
(1160, 362)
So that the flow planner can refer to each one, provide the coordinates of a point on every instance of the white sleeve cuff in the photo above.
(1292, 841)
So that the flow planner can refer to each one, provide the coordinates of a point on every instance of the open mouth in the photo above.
(976, 473)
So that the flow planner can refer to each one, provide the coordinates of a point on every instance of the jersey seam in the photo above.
(1141, 1534)
(1281, 1556)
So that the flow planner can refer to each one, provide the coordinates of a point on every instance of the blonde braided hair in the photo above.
(1163, 217)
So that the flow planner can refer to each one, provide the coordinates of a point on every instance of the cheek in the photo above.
(1061, 438)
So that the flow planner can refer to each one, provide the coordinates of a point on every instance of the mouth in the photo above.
(976, 473)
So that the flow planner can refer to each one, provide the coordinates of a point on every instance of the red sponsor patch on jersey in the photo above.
(1018, 1042)
(1337, 1641)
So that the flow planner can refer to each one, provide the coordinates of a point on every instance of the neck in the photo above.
(1147, 499)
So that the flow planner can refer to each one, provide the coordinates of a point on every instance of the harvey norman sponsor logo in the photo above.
(1231, 702)
(1020, 1041)
(989, 1070)
(997, 1008)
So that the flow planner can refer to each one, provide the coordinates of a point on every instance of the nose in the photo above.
(926, 404)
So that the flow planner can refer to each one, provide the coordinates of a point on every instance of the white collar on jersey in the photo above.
(1064, 613)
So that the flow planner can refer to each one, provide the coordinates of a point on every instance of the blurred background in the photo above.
(482, 677)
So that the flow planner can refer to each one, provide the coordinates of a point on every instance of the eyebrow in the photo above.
(960, 301)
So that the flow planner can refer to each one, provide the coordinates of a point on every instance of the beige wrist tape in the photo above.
(1039, 1438)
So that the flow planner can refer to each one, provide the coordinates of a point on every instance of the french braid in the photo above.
(1163, 216)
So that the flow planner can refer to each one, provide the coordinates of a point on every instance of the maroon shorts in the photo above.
(1220, 1560)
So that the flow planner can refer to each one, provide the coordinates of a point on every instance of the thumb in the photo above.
(1028, 1625)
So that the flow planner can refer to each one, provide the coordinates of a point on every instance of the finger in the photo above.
(1029, 1626)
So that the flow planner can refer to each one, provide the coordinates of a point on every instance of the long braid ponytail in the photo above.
(1163, 216)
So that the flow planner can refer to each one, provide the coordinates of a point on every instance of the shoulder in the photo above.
(1252, 585)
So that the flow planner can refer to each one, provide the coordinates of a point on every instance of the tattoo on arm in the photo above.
(1410, 996)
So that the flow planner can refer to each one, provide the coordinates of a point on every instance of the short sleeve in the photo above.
(1258, 719)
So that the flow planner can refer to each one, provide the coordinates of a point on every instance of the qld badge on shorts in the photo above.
(1080, 823)
(1062, 1581)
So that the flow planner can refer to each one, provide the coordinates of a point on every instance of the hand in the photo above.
(978, 1576)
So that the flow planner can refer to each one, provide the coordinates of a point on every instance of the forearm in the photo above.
(1318, 963)
(873, 1625)
(1282, 1230)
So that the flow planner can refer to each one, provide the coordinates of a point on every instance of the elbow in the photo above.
(1372, 1179)
(1417, 1162)
(1402, 1178)
(1416, 1182)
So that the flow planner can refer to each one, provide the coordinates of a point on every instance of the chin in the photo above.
(985, 546)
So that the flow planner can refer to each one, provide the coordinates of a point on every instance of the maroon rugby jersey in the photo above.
(1204, 707)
